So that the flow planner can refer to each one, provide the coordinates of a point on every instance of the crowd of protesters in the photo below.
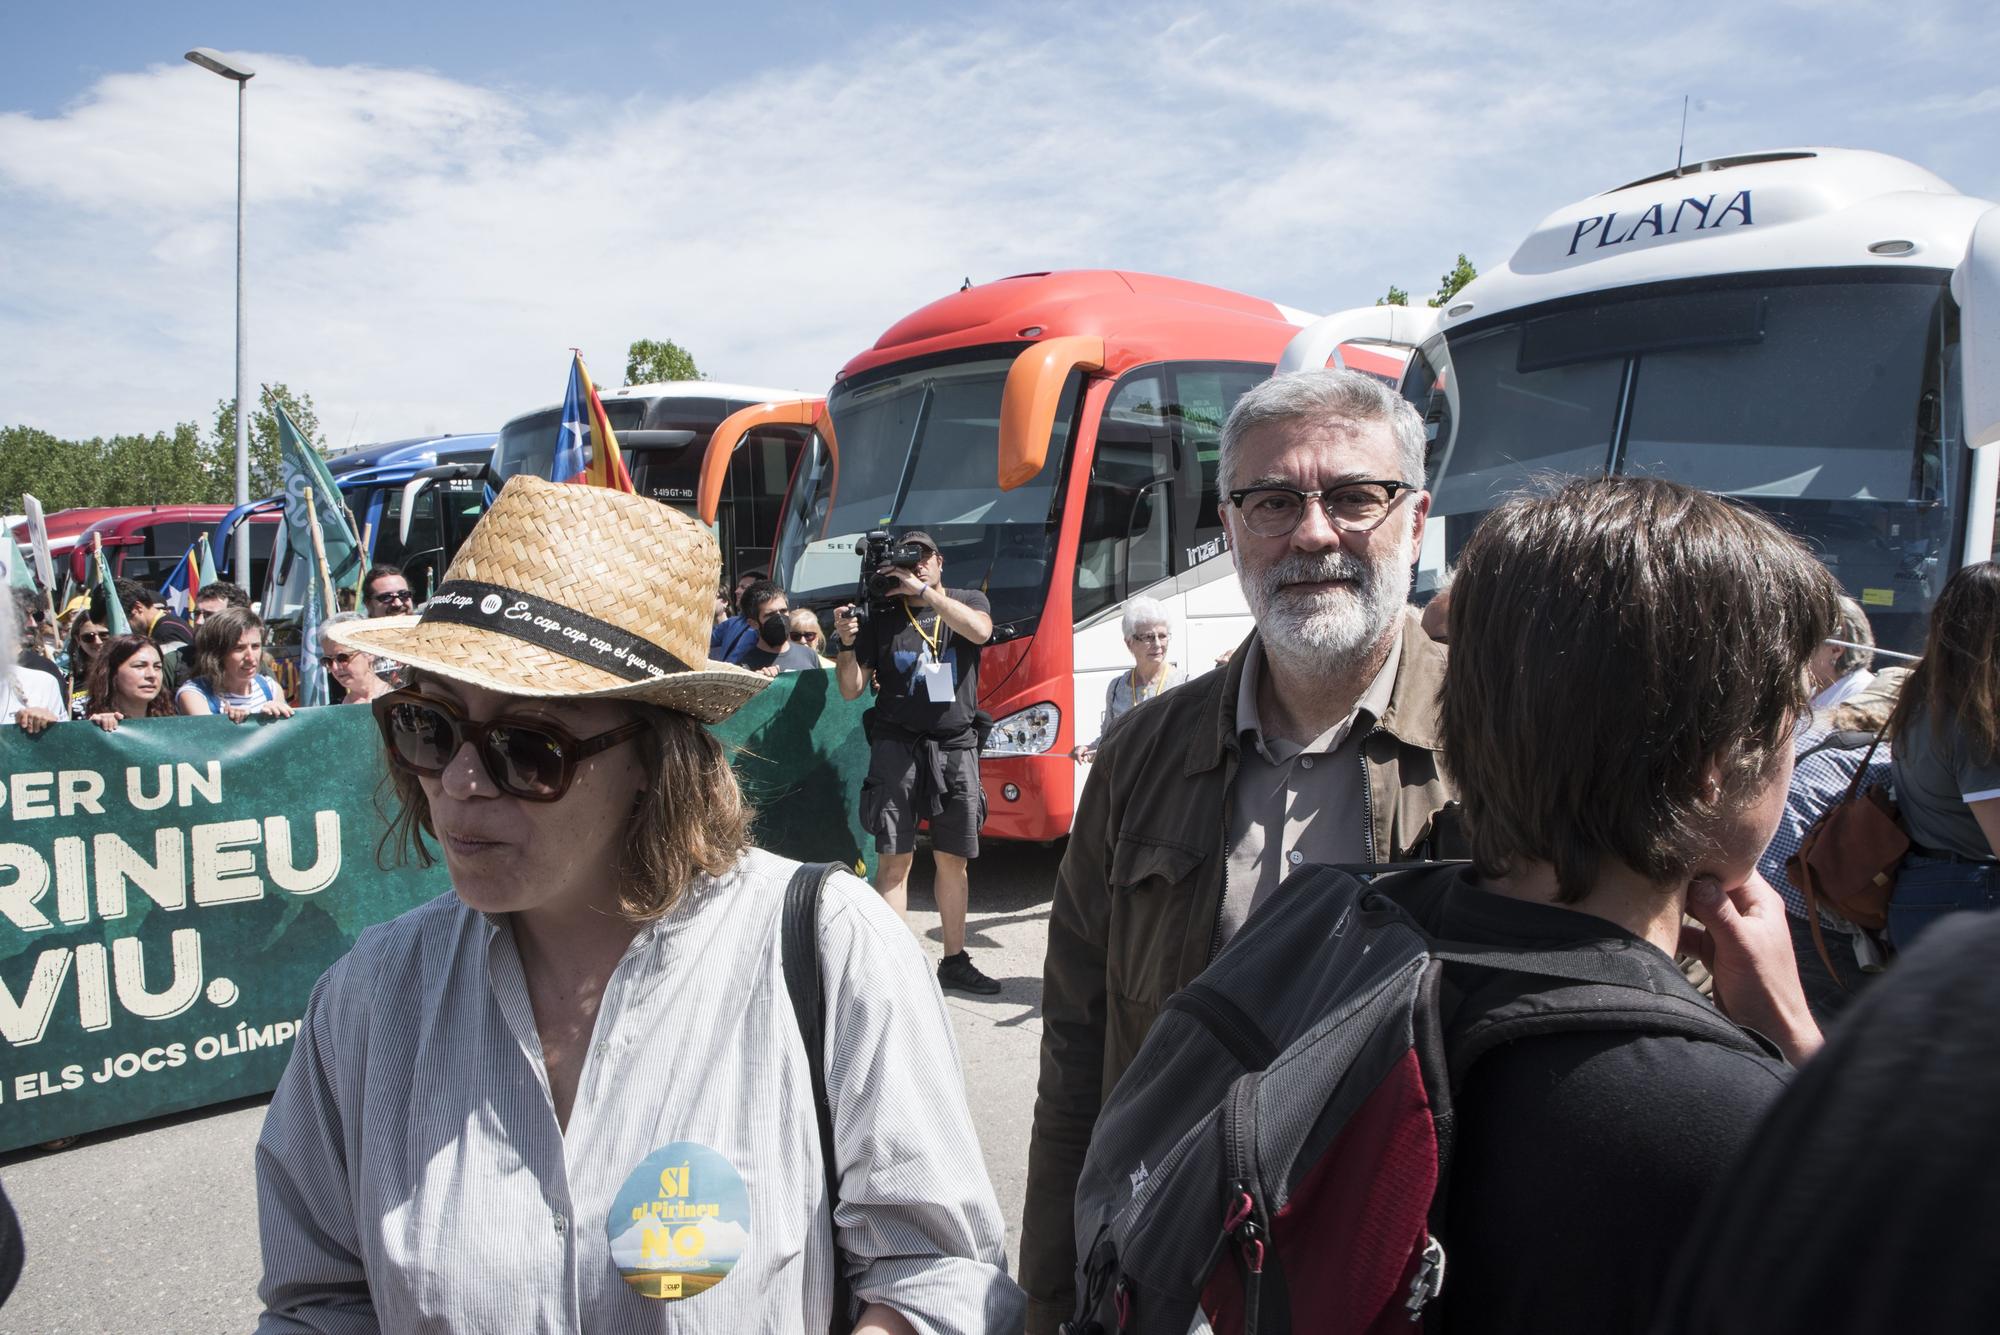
(1589, 769)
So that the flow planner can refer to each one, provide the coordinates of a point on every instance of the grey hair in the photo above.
(1328, 396)
(1143, 612)
(339, 618)
(1853, 626)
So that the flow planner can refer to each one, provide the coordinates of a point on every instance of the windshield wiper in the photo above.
(910, 456)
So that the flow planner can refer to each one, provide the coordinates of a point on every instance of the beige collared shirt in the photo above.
(1292, 805)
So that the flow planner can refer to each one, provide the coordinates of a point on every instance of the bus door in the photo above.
(1150, 526)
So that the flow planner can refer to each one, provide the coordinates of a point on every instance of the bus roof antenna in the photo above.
(1680, 154)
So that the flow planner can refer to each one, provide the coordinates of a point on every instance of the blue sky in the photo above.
(445, 197)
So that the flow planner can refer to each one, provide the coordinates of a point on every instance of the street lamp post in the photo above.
(240, 75)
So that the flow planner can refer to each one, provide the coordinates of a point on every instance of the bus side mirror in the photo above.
(1975, 285)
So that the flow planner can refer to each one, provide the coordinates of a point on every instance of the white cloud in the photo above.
(423, 251)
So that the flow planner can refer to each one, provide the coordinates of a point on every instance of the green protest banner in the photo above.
(169, 893)
(799, 752)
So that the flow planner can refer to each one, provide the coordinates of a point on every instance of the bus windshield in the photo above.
(528, 443)
(920, 448)
(1825, 398)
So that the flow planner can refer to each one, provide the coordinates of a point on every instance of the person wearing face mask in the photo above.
(1318, 742)
(774, 651)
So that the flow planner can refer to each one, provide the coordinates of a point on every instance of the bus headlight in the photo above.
(1030, 732)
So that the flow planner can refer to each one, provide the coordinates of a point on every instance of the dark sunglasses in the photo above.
(93, 637)
(528, 759)
(336, 660)
(805, 636)
(393, 596)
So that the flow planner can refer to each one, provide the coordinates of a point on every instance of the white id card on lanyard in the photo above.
(935, 677)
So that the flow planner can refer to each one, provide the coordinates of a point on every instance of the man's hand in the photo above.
(1747, 946)
(846, 625)
(32, 721)
(908, 585)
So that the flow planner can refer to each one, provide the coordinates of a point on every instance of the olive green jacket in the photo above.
(1138, 898)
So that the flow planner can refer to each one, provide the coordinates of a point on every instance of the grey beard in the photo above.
(1317, 633)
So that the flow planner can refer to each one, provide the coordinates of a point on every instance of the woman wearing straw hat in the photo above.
(574, 1094)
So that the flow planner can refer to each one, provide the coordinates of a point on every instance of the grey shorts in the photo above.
(888, 800)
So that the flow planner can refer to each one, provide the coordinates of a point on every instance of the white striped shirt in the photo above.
(411, 1174)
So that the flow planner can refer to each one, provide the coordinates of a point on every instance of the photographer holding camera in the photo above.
(921, 642)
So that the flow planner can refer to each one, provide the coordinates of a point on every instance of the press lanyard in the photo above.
(934, 641)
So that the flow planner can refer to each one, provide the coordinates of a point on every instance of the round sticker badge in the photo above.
(680, 1223)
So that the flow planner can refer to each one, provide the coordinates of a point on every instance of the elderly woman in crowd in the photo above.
(1148, 634)
(575, 1094)
(1947, 760)
(128, 680)
(805, 629)
(354, 669)
(228, 658)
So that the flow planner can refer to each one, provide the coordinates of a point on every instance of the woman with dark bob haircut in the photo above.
(1627, 670)
(574, 1093)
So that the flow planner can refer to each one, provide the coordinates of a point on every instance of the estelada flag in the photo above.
(593, 458)
(183, 586)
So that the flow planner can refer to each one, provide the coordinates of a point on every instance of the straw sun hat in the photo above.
(573, 592)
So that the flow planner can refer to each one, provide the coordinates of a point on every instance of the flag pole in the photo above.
(361, 566)
(319, 554)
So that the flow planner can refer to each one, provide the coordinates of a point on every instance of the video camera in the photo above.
(880, 553)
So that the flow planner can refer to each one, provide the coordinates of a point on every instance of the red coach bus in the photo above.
(1056, 433)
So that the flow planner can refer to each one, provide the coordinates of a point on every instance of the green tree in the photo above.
(220, 448)
(165, 468)
(1397, 297)
(1448, 286)
(650, 361)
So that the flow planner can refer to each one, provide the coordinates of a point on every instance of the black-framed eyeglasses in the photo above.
(527, 758)
(390, 596)
(1354, 507)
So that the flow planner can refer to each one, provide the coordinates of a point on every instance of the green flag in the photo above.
(301, 467)
(17, 570)
(118, 624)
(205, 563)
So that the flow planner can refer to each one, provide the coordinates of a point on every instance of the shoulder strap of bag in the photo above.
(799, 949)
(1605, 987)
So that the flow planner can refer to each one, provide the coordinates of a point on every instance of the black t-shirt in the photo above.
(1582, 1158)
(895, 645)
(792, 658)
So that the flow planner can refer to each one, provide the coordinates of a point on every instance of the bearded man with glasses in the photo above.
(1318, 743)
(385, 593)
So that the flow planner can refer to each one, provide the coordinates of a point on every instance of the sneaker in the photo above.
(959, 974)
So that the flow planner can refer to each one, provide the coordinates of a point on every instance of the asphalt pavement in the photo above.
(153, 1228)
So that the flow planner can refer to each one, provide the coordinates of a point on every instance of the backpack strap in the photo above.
(798, 942)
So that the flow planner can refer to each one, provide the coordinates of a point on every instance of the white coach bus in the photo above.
(1813, 331)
